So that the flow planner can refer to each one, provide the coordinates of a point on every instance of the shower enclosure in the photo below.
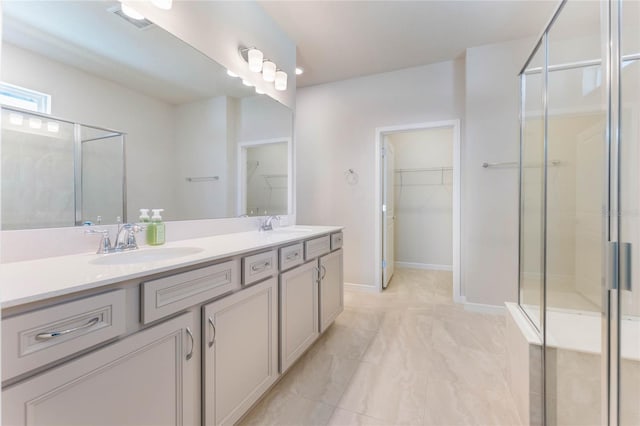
(580, 211)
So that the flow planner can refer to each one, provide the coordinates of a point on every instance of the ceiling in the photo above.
(337, 40)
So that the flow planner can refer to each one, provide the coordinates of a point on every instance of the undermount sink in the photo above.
(145, 255)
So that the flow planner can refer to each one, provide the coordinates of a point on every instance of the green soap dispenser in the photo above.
(155, 229)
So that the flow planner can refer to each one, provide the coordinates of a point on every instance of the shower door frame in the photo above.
(610, 312)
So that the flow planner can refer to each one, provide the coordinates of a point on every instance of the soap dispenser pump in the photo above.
(155, 229)
(144, 216)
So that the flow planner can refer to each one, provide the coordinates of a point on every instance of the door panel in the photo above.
(331, 288)
(388, 214)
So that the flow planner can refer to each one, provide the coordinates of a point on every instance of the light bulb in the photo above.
(15, 118)
(53, 127)
(247, 83)
(299, 70)
(268, 71)
(281, 80)
(35, 123)
(231, 73)
(131, 13)
(254, 56)
(162, 4)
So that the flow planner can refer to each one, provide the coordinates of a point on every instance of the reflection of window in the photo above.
(21, 97)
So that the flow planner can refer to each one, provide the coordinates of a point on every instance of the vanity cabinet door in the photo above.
(331, 288)
(240, 351)
(149, 378)
(298, 312)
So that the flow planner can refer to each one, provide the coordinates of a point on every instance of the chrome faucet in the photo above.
(125, 240)
(267, 223)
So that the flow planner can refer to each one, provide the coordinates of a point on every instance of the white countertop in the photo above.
(35, 280)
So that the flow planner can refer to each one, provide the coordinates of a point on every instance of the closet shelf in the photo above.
(440, 170)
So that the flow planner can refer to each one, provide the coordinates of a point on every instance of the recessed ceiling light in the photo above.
(231, 73)
(299, 70)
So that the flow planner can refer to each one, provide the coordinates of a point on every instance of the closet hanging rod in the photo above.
(202, 179)
(426, 169)
(515, 163)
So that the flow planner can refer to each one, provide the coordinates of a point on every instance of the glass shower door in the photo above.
(629, 237)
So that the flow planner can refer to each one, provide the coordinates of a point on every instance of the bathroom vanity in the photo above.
(194, 332)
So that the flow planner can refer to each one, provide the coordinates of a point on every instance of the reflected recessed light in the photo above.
(247, 83)
(53, 127)
(131, 13)
(259, 91)
(299, 70)
(162, 4)
(231, 73)
(15, 118)
(35, 123)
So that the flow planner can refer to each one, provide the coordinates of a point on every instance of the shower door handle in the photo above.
(612, 265)
(625, 262)
(619, 263)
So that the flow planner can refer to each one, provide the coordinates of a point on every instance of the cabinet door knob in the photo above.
(213, 327)
(190, 334)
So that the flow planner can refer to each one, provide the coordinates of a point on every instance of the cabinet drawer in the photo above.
(169, 295)
(336, 241)
(316, 247)
(259, 266)
(37, 338)
(291, 256)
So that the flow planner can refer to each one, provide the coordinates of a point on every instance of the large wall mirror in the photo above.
(123, 100)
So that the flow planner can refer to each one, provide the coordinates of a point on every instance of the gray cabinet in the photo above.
(149, 378)
(240, 351)
(331, 288)
(298, 312)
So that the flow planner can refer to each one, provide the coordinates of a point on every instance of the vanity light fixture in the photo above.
(162, 4)
(281, 80)
(130, 12)
(268, 71)
(16, 119)
(255, 57)
(35, 123)
(231, 73)
(299, 70)
(53, 127)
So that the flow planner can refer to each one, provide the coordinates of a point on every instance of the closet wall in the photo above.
(423, 198)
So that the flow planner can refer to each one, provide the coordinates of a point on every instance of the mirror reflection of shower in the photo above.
(267, 179)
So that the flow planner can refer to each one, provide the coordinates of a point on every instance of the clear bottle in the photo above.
(156, 229)
(144, 216)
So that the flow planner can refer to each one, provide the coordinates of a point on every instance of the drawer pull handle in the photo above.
(213, 327)
(52, 334)
(324, 272)
(293, 255)
(261, 267)
(190, 334)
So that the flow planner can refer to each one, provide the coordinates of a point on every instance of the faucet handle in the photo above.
(105, 241)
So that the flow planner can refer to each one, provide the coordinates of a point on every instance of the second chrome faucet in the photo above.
(125, 239)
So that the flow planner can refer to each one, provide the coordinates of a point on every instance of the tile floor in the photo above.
(407, 356)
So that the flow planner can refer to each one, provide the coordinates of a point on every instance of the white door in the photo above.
(388, 213)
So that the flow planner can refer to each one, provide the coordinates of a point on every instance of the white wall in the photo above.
(490, 196)
(424, 200)
(335, 131)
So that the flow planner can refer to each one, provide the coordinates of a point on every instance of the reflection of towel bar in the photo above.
(202, 179)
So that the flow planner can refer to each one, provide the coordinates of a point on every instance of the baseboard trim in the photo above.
(484, 309)
(362, 288)
(431, 266)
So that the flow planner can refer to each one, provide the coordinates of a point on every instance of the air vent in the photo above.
(140, 24)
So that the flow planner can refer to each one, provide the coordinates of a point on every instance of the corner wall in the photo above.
(335, 131)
